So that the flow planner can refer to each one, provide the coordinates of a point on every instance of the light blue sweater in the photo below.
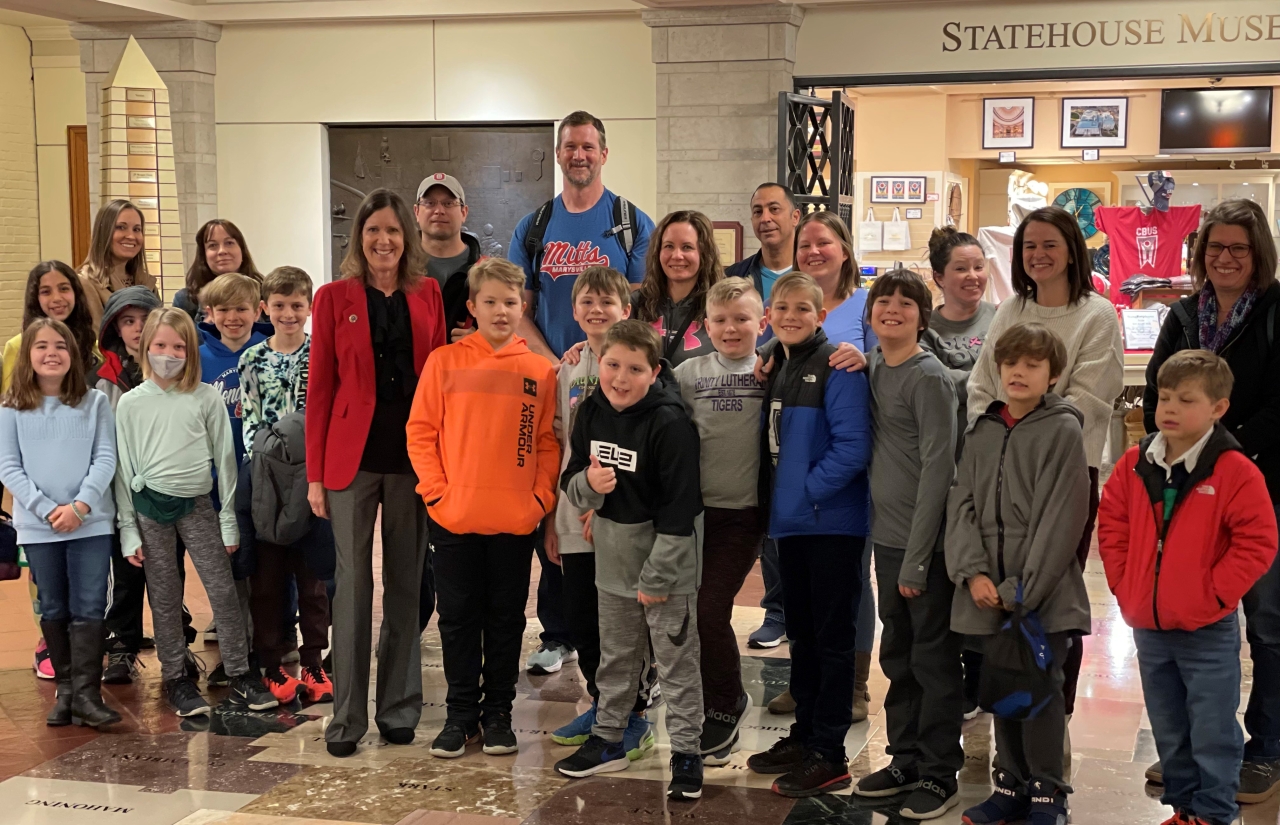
(55, 455)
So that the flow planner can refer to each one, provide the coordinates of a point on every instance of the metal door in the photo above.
(815, 152)
(507, 171)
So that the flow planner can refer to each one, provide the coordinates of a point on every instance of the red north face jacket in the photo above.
(1221, 539)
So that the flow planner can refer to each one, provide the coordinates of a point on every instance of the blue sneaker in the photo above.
(768, 635)
(638, 738)
(1008, 802)
(577, 731)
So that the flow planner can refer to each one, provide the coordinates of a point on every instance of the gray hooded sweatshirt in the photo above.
(1024, 491)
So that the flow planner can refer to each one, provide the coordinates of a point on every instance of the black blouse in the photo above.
(386, 450)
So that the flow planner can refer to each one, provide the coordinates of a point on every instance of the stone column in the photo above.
(183, 54)
(719, 73)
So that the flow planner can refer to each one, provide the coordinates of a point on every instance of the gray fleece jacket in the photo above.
(1021, 494)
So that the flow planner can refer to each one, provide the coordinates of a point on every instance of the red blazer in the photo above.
(1220, 540)
(341, 390)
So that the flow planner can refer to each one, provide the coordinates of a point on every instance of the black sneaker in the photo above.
(1258, 781)
(931, 799)
(783, 757)
(452, 742)
(184, 697)
(192, 665)
(122, 668)
(1008, 803)
(723, 756)
(148, 643)
(719, 728)
(498, 736)
(970, 710)
(249, 691)
(816, 775)
(888, 781)
(595, 756)
(686, 776)
(219, 677)
(1048, 804)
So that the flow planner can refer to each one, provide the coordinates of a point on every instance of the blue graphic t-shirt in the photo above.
(572, 243)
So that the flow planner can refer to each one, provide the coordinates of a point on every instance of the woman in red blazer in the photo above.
(371, 333)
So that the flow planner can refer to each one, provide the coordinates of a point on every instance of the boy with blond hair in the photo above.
(482, 441)
(1185, 528)
(724, 396)
(816, 445)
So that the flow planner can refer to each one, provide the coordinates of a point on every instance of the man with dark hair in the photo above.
(774, 216)
(441, 209)
(586, 225)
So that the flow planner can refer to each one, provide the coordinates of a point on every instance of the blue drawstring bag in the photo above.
(1016, 683)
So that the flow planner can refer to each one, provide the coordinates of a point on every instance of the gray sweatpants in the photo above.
(626, 628)
(202, 535)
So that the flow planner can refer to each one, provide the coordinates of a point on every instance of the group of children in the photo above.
(666, 496)
(138, 451)
(657, 486)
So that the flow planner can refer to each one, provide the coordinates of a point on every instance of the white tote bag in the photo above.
(897, 233)
(870, 233)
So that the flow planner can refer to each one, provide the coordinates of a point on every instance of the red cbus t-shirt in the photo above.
(1148, 244)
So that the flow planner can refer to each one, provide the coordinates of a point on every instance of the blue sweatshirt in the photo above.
(220, 368)
(54, 455)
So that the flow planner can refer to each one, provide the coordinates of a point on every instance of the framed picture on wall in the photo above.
(898, 189)
(1094, 122)
(1008, 122)
(728, 235)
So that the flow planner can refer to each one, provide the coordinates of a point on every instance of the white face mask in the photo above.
(166, 367)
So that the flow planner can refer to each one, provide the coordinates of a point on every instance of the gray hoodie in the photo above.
(1024, 490)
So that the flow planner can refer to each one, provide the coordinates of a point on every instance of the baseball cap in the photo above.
(441, 179)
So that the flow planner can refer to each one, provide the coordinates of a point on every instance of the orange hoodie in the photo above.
(481, 438)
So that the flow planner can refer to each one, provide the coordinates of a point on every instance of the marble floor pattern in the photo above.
(243, 768)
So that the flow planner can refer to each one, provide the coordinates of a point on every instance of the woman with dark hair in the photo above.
(372, 331)
(220, 248)
(1053, 282)
(117, 256)
(679, 270)
(1234, 314)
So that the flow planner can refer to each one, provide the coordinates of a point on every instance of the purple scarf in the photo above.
(1212, 336)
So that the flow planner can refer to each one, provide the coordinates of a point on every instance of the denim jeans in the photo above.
(772, 599)
(1262, 629)
(1191, 682)
(73, 576)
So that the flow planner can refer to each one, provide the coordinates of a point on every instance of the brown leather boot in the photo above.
(861, 696)
(782, 704)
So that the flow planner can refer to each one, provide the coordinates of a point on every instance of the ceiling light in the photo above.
(1195, 184)
(1164, 156)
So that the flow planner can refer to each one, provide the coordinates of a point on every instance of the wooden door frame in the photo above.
(78, 182)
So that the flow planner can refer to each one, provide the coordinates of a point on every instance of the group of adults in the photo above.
(403, 293)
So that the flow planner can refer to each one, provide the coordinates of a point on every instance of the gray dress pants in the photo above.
(353, 512)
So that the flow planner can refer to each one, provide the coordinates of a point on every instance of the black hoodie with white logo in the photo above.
(648, 531)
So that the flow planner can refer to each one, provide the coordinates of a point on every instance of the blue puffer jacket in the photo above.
(820, 418)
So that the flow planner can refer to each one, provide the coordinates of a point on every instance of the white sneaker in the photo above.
(549, 658)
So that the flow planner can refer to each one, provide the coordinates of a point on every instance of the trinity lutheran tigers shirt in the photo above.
(725, 398)
(572, 243)
(1145, 244)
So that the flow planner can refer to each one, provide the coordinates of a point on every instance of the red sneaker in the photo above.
(282, 686)
(1179, 818)
(316, 683)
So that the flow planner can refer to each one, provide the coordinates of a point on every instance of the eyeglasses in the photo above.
(445, 205)
(1238, 250)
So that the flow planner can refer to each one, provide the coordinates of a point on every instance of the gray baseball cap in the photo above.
(441, 179)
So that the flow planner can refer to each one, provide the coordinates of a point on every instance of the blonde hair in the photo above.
(231, 289)
(180, 322)
(24, 390)
(731, 289)
(495, 269)
(798, 281)
(850, 277)
(100, 259)
(286, 280)
(602, 280)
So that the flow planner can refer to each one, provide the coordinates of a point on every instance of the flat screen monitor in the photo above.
(1196, 121)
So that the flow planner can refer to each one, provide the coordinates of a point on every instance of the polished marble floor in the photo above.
(242, 768)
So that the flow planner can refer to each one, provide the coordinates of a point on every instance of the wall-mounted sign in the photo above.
(1008, 157)
(1089, 154)
(915, 214)
(1184, 30)
(932, 197)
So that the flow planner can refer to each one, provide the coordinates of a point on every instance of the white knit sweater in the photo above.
(1094, 373)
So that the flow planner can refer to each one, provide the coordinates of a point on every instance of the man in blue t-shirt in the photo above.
(580, 234)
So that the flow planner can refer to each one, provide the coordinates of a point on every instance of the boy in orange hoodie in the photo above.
(482, 443)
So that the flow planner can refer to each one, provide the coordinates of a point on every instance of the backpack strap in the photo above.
(623, 225)
(1190, 329)
(533, 245)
